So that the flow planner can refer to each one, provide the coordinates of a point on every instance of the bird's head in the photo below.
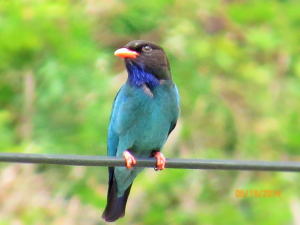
(145, 56)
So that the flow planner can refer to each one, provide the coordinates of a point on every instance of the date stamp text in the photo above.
(241, 193)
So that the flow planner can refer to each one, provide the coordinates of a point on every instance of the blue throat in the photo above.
(138, 76)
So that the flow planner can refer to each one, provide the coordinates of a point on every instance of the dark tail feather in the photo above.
(115, 207)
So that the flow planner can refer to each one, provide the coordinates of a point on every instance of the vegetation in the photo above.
(237, 67)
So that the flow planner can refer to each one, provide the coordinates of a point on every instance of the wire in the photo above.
(84, 160)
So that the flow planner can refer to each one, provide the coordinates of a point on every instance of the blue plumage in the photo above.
(144, 113)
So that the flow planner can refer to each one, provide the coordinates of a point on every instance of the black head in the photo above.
(147, 56)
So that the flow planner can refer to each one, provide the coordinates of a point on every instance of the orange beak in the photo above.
(126, 53)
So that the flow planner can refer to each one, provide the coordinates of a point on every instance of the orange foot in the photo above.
(160, 161)
(129, 159)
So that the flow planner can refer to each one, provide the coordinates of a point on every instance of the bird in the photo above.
(144, 113)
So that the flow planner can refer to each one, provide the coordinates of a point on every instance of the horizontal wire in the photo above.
(88, 160)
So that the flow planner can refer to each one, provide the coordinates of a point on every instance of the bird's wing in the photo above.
(113, 135)
(173, 123)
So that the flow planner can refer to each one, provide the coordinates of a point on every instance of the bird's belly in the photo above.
(148, 132)
(152, 135)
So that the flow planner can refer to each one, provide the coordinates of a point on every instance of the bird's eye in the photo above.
(147, 48)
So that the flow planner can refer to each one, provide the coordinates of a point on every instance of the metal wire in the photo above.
(84, 160)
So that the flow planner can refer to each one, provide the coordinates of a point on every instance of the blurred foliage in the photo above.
(237, 67)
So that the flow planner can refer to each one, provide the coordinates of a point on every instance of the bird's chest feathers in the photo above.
(149, 103)
(145, 96)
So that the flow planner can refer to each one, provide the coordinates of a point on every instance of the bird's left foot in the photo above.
(160, 161)
(129, 159)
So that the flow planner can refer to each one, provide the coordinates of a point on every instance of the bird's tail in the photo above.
(115, 207)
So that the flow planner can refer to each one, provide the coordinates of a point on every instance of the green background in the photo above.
(236, 64)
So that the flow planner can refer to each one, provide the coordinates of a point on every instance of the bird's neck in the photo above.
(137, 76)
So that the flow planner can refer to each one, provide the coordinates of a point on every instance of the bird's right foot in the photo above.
(129, 159)
(160, 161)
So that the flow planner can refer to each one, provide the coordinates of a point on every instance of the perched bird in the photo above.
(144, 113)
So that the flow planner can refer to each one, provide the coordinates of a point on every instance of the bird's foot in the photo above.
(160, 161)
(129, 159)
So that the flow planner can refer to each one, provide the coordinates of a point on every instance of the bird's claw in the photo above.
(129, 159)
(160, 161)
